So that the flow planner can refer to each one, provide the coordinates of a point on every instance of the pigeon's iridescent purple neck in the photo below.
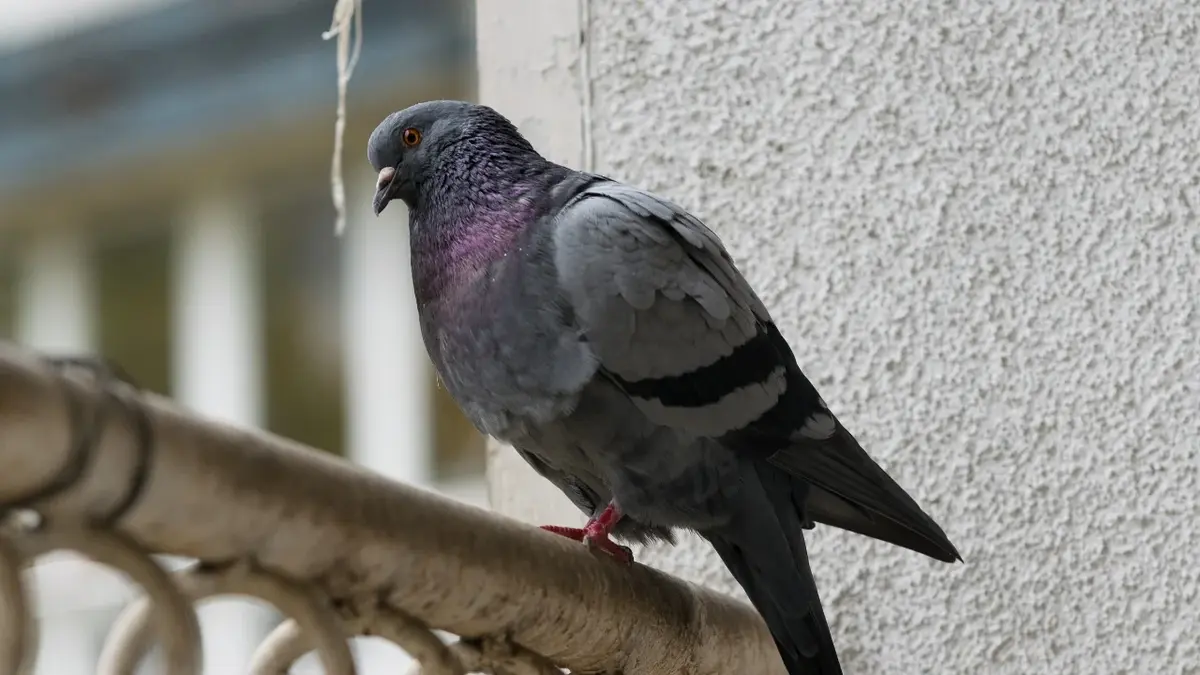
(470, 216)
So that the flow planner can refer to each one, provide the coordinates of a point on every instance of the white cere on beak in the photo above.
(385, 176)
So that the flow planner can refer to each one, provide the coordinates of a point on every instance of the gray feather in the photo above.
(659, 298)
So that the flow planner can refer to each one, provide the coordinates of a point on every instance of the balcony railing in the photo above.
(90, 464)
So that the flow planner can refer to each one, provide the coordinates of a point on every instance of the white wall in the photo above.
(529, 68)
(977, 225)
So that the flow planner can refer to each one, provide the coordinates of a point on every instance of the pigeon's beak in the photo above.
(383, 188)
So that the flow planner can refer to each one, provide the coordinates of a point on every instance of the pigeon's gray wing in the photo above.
(676, 326)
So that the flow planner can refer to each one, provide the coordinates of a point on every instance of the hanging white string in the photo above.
(347, 28)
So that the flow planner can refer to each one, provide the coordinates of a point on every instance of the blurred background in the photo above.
(165, 202)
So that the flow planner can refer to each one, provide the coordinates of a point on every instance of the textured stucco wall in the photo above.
(977, 224)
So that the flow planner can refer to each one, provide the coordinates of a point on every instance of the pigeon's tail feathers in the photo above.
(769, 560)
(849, 490)
(796, 623)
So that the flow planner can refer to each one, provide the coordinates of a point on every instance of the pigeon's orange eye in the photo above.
(411, 137)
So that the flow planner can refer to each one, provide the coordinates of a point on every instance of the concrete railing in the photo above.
(90, 464)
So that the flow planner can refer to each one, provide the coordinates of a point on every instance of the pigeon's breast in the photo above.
(504, 344)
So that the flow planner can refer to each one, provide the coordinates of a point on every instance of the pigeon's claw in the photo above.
(595, 535)
(603, 545)
(572, 533)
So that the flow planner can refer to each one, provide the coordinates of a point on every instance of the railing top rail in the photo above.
(90, 455)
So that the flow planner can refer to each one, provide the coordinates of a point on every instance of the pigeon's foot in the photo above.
(595, 535)
(606, 546)
(572, 533)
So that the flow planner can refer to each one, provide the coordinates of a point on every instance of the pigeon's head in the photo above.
(410, 146)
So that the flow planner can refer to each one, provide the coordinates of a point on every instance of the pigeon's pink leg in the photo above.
(595, 534)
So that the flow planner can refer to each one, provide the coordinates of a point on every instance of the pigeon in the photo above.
(606, 334)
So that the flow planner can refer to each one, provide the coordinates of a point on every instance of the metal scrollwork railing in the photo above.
(90, 464)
